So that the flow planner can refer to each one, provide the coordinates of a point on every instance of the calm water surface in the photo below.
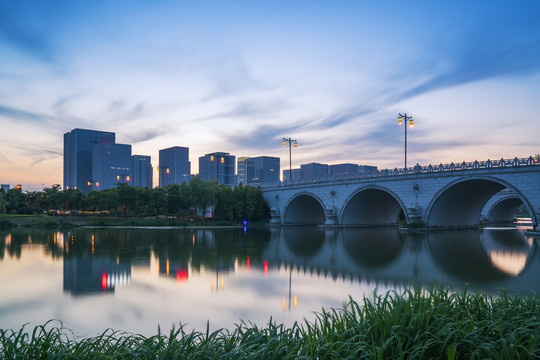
(137, 279)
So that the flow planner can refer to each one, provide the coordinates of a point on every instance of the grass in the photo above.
(415, 324)
(44, 221)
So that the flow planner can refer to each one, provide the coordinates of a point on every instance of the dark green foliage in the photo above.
(416, 324)
(182, 201)
(5, 224)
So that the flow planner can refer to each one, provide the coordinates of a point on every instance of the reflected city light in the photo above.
(283, 304)
(167, 270)
(104, 281)
(295, 301)
(511, 263)
(193, 239)
(8, 239)
(266, 268)
(211, 285)
(181, 275)
(92, 243)
(247, 264)
(222, 281)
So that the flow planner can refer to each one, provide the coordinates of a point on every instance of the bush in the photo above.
(27, 210)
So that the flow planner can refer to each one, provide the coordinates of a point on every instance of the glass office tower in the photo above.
(220, 166)
(141, 168)
(174, 166)
(78, 161)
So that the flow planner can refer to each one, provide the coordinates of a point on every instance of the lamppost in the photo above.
(160, 170)
(400, 120)
(290, 141)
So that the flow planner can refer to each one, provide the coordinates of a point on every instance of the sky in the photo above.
(238, 76)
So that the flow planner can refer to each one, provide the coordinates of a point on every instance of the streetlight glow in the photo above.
(290, 141)
(400, 121)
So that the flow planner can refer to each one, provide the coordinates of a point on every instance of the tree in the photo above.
(12, 201)
(2, 202)
(158, 202)
(202, 194)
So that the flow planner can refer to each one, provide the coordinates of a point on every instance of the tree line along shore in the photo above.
(179, 204)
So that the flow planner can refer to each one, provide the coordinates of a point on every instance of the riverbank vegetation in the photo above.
(174, 205)
(415, 324)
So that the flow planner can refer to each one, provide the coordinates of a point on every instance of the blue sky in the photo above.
(237, 76)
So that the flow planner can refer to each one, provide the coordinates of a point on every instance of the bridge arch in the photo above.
(460, 202)
(504, 210)
(304, 209)
(372, 206)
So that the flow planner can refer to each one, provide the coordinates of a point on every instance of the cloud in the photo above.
(17, 114)
(138, 136)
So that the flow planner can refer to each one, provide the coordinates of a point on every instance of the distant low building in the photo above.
(342, 169)
(367, 170)
(258, 170)
(314, 171)
(294, 174)
(5, 187)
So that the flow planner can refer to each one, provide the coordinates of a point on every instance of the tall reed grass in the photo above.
(414, 324)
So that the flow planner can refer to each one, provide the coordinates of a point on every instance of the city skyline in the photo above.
(240, 76)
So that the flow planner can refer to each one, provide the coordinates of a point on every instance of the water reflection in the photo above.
(374, 247)
(480, 256)
(239, 274)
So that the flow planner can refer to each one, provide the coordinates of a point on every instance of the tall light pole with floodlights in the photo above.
(290, 141)
(400, 121)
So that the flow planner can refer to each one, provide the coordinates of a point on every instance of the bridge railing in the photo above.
(418, 169)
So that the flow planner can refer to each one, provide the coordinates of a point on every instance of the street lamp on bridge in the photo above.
(290, 141)
(400, 121)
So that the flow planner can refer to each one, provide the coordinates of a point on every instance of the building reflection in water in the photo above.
(98, 261)
(87, 273)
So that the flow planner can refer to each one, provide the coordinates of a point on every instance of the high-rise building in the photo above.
(259, 170)
(78, 157)
(314, 170)
(220, 166)
(111, 164)
(5, 187)
(241, 170)
(141, 168)
(174, 166)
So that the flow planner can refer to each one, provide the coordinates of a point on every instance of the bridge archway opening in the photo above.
(461, 203)
(372, 207)
(304, 209)
(504, 211)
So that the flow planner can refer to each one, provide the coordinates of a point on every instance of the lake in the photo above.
(136, 279)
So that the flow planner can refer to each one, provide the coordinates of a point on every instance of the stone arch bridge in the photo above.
(451, 195)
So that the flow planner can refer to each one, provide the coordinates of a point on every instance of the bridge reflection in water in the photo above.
(488, 259)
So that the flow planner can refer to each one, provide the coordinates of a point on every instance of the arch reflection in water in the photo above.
(478, 257)
(304, 241)
(372, 247)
